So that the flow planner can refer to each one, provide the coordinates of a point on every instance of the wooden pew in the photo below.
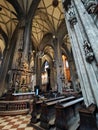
(36, 110)
(88, 118)
(67, 114)
(47, 117)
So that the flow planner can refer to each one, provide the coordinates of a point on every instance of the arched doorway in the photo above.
(45, 77)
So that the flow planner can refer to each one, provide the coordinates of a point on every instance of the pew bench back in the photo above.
(36, 110)
(67, 114)
(47, 117)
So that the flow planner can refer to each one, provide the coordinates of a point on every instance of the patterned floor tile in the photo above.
(19, 122)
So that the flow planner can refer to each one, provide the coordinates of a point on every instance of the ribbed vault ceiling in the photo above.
(8, 19)
(47, 18)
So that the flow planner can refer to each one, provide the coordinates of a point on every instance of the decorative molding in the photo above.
(88, 51)
(66, 3)
(91, 6)
(71, 16)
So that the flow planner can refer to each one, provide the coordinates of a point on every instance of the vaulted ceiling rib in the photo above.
(47, 19)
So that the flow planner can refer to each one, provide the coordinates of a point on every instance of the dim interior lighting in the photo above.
(54, 36)
(33, 51)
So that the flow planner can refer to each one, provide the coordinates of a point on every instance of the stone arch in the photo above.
(47, 40)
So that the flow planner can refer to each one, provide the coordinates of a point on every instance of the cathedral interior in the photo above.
(48, 64)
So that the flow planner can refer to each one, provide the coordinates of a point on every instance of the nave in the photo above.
(49, 62)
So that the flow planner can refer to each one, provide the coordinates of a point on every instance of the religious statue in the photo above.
(90, 5)
(88, 51)
(71, 15)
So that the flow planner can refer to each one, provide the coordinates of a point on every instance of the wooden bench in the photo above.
(67, 113)
(47, 117)
(88, 118)
(36, 110)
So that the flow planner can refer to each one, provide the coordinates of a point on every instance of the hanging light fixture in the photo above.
(55, 3)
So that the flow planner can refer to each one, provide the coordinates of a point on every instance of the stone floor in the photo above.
(19, 122)
(72, 125)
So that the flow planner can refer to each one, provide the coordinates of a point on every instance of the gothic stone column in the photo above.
(81, 65)
(90, 34)
(58, 62)
(38, 71)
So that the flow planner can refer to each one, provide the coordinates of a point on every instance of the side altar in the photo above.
(21, 82)
(20, 96)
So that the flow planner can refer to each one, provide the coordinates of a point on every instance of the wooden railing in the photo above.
(14, 107)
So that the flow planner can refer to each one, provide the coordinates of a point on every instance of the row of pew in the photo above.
(60, 113)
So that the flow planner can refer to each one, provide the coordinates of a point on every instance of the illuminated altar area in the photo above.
(22, 79)
(22, 82)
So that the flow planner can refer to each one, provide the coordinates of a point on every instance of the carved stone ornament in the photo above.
(66, 3)
(91, 6)
(88, 51)
(71, 16)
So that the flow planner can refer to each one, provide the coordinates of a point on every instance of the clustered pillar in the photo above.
(81, 29)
